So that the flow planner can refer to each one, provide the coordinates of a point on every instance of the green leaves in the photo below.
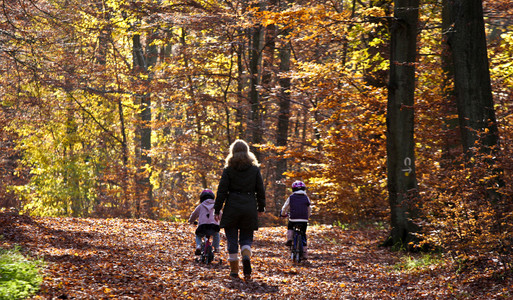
(19, 277)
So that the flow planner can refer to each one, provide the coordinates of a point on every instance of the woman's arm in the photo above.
(222, 192)
(260, 192)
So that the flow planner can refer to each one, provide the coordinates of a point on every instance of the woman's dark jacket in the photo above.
(242, 193)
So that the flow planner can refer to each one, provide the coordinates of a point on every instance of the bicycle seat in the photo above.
(209, 233)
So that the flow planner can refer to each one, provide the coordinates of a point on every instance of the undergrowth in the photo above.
(19, 276)
(420, 262)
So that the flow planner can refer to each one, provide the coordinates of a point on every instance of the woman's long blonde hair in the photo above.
(240, 157)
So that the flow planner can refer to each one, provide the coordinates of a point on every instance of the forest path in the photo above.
(145, 259)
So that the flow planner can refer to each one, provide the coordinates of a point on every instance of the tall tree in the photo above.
(143, 60)
(255, 61)
(452, 137)
(467, 41)
(283, 113)
(476, 112)
(402, 183)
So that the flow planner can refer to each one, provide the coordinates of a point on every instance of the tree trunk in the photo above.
(478, 125)
(452, 140)
(283, 121)
(467, 41)
(255, 80)
(402, 184)
(124, 148)
(145, 191)
(239, 109)
(76, 207)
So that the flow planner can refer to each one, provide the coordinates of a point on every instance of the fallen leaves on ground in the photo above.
(146, 259)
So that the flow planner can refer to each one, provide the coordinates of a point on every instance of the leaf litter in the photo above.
(146, 259)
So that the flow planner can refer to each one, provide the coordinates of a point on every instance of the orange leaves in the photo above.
(141, 259)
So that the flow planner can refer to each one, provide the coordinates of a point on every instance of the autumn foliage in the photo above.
(147, 259)
(77, 77)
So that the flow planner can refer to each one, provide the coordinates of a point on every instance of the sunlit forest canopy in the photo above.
(117, 108)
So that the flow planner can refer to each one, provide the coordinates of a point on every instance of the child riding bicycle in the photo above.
(207, 225)
(299, 210)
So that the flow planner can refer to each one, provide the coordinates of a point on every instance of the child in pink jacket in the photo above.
(207, 225)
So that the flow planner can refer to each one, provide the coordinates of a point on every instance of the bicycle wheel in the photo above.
(295, 250)
(300, 249)
(209, 254)
(202, 255)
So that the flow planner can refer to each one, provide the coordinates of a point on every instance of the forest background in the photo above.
(116, 108)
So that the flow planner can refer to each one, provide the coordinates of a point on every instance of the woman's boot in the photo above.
(246, 262)
(234, 265)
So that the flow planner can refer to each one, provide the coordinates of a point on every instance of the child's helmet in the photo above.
(206, 194)
(298, 185)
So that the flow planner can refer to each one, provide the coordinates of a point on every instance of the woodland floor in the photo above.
(143, 259)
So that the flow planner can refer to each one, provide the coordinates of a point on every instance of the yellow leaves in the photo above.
(269, 19)
(292, 16)
(374, 12)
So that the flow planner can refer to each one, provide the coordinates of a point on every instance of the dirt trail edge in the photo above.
(144, 259)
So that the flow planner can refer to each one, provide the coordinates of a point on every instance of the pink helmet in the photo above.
(298, 185)
(206, 194)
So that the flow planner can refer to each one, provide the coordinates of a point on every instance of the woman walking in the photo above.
(241, 192)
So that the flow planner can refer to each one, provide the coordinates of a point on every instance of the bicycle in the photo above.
(207, 250)
(206, 253)
(297, 247)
